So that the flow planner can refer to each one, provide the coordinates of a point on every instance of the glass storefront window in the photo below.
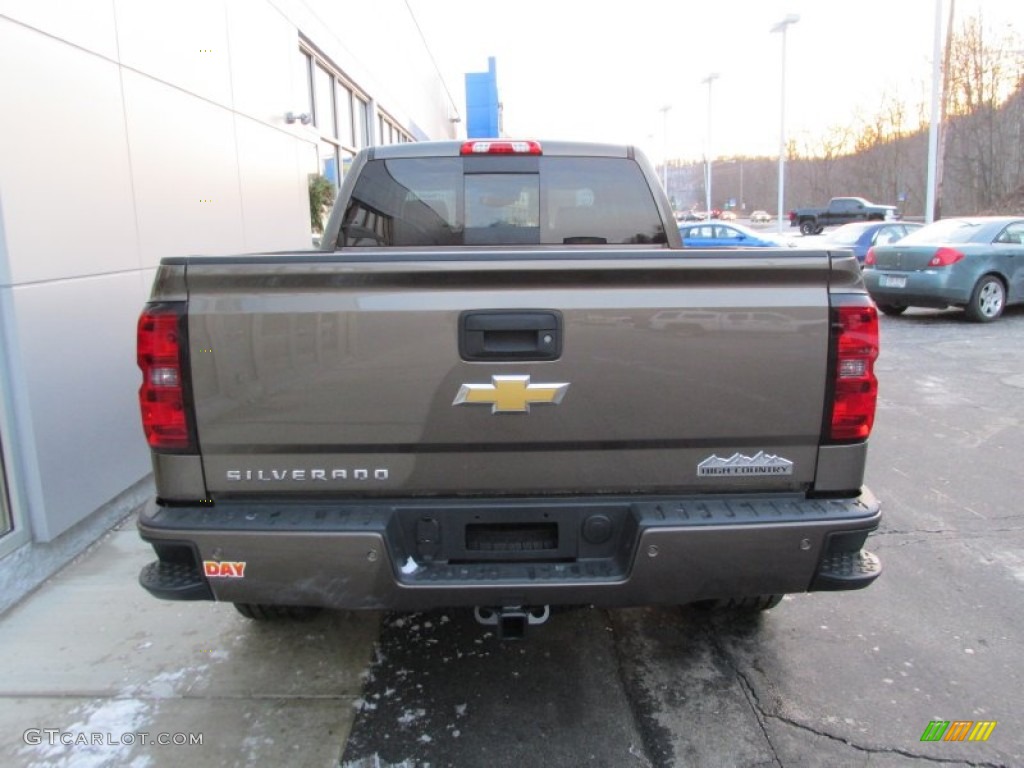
(323, 85)
(362, 123)
(329, 162)
(303, 71)
(343, 101)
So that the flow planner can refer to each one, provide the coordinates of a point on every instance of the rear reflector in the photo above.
(159, 346)
(870, 258)
(855, 387)
(501, 148)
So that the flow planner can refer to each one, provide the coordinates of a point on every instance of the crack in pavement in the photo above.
(759, 712)
(748, 691)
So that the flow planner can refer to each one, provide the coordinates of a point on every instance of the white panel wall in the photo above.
(185, 169)
(131, 130)
(268, 160)
(181, 42)
(88, 24)
(262, 68)
(77, 338)
(64, 166)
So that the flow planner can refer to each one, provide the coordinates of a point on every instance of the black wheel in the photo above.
(819, 229)
(807, 227)
(263, 612)
(892, 309)
(987, 300)
(751, 604)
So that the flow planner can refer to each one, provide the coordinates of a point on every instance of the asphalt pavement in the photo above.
(827, 679)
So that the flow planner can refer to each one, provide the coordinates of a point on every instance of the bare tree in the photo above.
(882, 155)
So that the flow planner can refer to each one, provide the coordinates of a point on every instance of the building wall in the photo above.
(483, 110)
(134, 130)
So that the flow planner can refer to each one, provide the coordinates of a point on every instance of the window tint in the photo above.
(502, 208)
(435, 201)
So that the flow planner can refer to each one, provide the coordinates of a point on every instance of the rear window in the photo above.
(514, 201)
(945, 231)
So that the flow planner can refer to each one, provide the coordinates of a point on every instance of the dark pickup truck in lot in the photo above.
(840, 210)
(504, 384)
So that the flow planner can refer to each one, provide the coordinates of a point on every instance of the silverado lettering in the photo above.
(502, 383)
(237, 475)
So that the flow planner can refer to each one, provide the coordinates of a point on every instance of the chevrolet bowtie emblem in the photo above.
(510, 394)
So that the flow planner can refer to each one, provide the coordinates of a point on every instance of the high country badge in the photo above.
(760, 464)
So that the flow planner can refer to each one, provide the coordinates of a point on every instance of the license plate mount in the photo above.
(893, 281)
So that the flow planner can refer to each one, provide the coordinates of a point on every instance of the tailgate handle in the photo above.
(510, 335)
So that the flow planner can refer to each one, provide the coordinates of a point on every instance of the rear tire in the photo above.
(987, 300)
(807, 227)
(892, 309)
(264, 612)
(752, 604)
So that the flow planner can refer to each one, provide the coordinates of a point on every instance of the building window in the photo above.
(305, 69)
(342, 116)
(362, 123)
(343, 104)
(323, 102)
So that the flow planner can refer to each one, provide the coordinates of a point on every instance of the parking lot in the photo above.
(847, 679)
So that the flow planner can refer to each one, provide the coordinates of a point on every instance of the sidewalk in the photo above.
(93, 656)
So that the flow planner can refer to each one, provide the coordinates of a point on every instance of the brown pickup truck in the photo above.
(503, 384)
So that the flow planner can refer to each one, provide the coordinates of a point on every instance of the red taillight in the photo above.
(162, 395)
(854, 384)
(945, 257)
(869, 259)
(503, 147)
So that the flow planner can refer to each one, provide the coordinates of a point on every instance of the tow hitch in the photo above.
(512, 620)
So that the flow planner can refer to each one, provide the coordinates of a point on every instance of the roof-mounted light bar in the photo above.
(502, 147)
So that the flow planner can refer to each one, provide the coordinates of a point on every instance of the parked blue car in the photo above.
(713, 234)
(973, 262)
(858, 236)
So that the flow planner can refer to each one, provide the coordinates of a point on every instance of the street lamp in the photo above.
(791, 18)
(707, 181)
(664, 158)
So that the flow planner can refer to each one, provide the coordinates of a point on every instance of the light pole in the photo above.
(791, 18)
(664, 157)
(934, 127)
(707, 185)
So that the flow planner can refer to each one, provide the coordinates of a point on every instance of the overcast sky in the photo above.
(602, 71)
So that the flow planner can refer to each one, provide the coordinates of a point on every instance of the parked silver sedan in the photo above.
(972, 262)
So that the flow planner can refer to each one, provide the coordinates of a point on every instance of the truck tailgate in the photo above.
(343, 375)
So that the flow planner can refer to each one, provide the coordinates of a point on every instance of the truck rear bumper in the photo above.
(419, 554)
